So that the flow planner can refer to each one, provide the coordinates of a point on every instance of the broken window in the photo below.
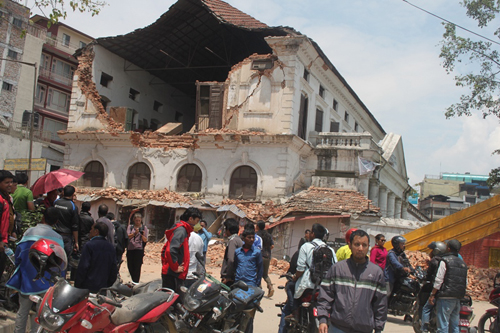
(139, 176)
(133, 94)
(318, 127)
(334, 126)
(322, 91)
(209, 99)
(6, 86)
(306, 75)
(157, 106)
(12, 54)
(105, 79)
(335, 104)
(66, 39)
(189, 178)
(94, 174)
(243, 183)
(304, 103)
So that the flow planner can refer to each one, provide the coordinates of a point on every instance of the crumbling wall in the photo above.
(90, 95)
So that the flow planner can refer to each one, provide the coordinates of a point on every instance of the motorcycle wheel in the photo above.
(416, 323)
(488, 323)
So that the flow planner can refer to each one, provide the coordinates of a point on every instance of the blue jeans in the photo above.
(448, 315)
(287, 309)
(426, 315)
(333, 329)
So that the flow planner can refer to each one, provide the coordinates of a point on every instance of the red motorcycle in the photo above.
(65, 308)
(490, 321)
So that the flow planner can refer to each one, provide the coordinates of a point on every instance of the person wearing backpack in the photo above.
(310, 271)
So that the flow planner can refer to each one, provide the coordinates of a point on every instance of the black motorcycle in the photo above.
(403, 299)
(307, 319)
(210, 306)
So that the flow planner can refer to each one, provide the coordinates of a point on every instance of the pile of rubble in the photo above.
(480, 280)
(255, 210)
(159, 195)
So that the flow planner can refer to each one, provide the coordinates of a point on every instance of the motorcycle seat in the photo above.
(148, 287)
(137, 306)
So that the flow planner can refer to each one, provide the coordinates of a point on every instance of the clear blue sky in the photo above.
(387, 51)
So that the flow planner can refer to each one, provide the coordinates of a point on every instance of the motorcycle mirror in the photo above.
(286, 258)
(241, 285)
(35, 298)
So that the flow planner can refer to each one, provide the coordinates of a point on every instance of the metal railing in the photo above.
(22, 131)
(64, 79)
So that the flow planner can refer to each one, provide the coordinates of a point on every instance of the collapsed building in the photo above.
(213, 104)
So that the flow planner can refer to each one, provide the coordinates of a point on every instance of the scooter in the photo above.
(490, 321)
(65, 308)
(210, 306)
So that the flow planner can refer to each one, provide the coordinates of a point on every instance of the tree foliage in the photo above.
(56, 10)
(477, 61)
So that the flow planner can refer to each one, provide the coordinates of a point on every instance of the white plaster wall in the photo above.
(269, 161)
(118, 90)
(20, 149)
(24, 98)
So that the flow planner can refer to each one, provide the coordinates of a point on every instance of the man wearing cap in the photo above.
(449, 288)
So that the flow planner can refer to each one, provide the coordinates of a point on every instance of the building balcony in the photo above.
(334, 140)
(66, 80)
(22, 131)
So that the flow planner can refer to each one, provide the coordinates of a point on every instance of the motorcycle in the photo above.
(490, 321)
(405, 294)
(307, 320)
(210, 306)
(65, 308)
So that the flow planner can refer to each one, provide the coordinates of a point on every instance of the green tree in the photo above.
(478, 63)
(55, 10)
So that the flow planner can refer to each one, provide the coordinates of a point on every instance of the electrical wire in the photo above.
(456, 25)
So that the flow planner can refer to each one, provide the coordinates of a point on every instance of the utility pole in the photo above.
(35, 81)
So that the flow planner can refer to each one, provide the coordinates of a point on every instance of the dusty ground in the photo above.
(267, 321)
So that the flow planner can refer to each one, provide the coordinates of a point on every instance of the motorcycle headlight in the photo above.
(190, 303)
(52, 321)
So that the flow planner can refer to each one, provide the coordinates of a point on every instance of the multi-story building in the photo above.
(261, 113)
(449, 193)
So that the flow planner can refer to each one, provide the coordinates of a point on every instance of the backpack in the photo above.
(322, 260)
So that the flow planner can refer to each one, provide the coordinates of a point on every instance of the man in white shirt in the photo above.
(195, 246)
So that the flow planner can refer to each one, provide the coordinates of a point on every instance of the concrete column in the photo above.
(373, 192)
(397, 213)
(363, 185)
(404, 213)
(391, 198)
(382, 200)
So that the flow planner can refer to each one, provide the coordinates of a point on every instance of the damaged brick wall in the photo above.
(159, 140)
(89, 89)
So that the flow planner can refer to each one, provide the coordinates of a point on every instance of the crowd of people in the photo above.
(354, 286)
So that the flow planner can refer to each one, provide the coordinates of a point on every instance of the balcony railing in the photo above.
(22, 131)
(58, 43)
(329, 140)
(67, 80)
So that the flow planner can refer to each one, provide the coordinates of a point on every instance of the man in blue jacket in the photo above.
(23, 278)
(97, 268)
(248, 259)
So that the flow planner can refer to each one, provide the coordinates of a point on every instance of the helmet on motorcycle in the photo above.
(396, 240)
(47, 255)
(438, 248)
(348, 235)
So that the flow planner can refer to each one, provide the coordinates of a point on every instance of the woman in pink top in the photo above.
(379, 252)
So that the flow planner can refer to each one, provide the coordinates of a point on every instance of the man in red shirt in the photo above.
(378, 253)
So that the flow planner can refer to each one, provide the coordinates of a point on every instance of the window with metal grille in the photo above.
(12, 54)
(243, 183)
(139, 176)
(318, 126)
(6, 86)
(94, 174)
(189, 178)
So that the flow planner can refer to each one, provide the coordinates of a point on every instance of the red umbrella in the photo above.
(54, 180)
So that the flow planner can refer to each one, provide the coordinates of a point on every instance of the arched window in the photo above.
(139, 176)
(189, 179)
(243, 183)
(94, 175)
